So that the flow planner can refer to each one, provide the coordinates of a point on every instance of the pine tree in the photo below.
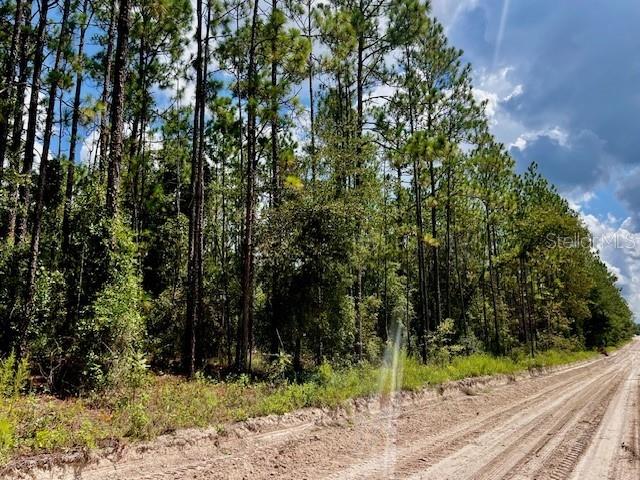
(117, 108)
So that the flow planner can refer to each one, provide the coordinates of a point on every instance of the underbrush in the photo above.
(31, 424)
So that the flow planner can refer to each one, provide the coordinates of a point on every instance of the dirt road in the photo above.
(580, 422)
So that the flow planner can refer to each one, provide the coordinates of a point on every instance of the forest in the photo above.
(219, 185)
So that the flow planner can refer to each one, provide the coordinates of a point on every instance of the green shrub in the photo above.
(325, 373)
(281, 367)
(50, 439)
(14, 376)
(7, 438)
(145, 406)
(111, 329)
(138, 419)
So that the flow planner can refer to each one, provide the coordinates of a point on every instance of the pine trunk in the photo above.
(34, 251)
(312, 132)
(17, 114)
(423, 305)
(246, 326)
(195, 273)
(68, 196)
(117, 109)
(494, 302)
(447, 297)
(9, 72)
(435, 249)
(103, 141)
(275, 180)
(358, 181)
(30, 140)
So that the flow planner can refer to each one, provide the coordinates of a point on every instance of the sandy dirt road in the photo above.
(580, 422)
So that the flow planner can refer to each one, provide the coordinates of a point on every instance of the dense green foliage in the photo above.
(331, 186)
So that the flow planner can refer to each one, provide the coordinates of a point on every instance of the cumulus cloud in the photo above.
(89, 147)
(497, 89)
(448, 11)
(379, 95)
(619, 249)
(629, 194)
(569, 161)
(570, 72)
(563, 91)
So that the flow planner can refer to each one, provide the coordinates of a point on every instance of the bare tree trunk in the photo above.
(384, 326)
(463, 310)
(275, 174)
(138, 136)
(447, 297)
(246, 326)
(238, 238)
(494, 240)
(312, 132)
(434, 229)
(9, 72)
(16, 134)
(66, 218)
(226, 317)
(275, 178)
(436, 249)
(529, 295)
(496, 326)
(485, 328)
(524, 334)
(103, 141)
(423, 307)
(25, 190)
(34, 252)
(68, 197)
(358, 177)
(194, 293)
(117, 109)
(422, 264)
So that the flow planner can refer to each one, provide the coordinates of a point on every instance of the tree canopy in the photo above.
(192, 187)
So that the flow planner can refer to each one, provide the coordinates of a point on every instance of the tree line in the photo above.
(195, 185)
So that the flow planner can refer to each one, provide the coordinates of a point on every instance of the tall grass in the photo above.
(335, 387)
(14, 376)
(35, 423)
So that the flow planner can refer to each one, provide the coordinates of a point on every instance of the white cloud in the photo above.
(41, 117)
(379, 95)
(37, 155)
(496, 88)
(556, 133)
(556, 104)
(520, 143)
(491, 99)
(89, 147)
(580, 199)
(619, 249)
(517, 91)
(448, 11)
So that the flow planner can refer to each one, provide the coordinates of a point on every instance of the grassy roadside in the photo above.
(32, 424)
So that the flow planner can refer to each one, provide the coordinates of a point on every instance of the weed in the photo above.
(7, 438)
(14, 376)
(150, 406)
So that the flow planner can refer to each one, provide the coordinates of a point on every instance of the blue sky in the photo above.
(562, 81)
